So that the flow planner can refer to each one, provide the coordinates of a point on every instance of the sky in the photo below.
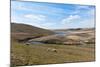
(53, 15)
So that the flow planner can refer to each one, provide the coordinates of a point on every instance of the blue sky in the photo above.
(53, 15)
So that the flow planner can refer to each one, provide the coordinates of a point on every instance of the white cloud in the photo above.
(70, 18)
(91, 12)
(83, 7)
(88, 23)
(35, 17)
(20, 7)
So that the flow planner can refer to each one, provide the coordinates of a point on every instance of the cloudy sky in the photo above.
(53, 15)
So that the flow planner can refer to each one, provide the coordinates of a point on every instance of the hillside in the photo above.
(73, 46)
(23, 31)
(78, 37)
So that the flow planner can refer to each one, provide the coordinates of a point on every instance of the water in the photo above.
(35, 42)
(63, 33)
(56, 33)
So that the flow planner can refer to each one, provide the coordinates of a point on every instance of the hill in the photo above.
(23, 31)
(73, 46)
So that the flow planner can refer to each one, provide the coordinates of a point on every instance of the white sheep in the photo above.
(52, 50)
(27, 43)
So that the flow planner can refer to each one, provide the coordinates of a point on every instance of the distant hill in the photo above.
(24, 31)
(74, 29)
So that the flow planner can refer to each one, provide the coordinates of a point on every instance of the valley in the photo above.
(40, 46)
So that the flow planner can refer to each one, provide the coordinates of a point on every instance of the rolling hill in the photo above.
(77, 46)
(23, 31)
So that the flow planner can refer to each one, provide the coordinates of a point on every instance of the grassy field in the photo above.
(22, 54)
(78, 46)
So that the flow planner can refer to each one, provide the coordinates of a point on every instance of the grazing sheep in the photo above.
(52, 50)
(27, 44)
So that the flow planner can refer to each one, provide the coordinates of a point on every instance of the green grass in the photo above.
(22, 54)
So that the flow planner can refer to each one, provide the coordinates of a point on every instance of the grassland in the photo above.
(22, 54)
(76, 46)
(23, 31)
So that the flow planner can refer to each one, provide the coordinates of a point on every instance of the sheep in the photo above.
(52, 50)
(27, 44)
